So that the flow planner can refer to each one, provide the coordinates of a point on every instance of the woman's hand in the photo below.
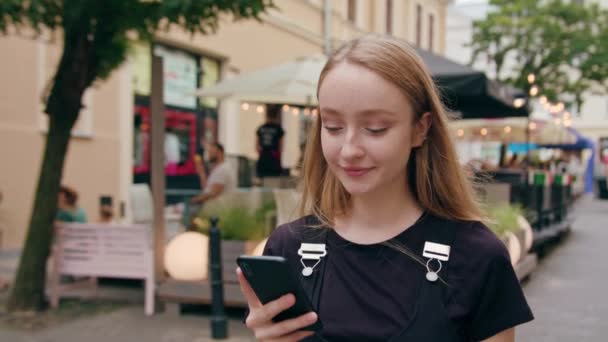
(260, 317)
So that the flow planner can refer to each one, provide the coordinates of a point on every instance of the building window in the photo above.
(389, 16)
(418, 25)
(352, 11)
(431, 31)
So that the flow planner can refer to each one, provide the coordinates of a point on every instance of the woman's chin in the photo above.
(357, 189)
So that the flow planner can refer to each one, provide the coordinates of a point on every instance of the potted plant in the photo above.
(505, 221)
(242, 227)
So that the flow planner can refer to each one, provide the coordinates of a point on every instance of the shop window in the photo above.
(180, 141)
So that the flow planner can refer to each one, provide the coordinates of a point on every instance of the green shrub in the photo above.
(236, 221)
(503, 218)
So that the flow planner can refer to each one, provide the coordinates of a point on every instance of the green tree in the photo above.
(95, 36)
(565, 45)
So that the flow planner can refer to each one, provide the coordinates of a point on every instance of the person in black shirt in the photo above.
(407, 256)
(270, 144)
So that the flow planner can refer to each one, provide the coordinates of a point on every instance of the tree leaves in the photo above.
(108, 23)
(563, 44)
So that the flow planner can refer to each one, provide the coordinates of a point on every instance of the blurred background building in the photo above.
(110, 146)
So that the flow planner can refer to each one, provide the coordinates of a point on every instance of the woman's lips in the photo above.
(357, 171)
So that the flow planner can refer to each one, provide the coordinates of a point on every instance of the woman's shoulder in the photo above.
(292, 234)
(474, 239)
(482, 241)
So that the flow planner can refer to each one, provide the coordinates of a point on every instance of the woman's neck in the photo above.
(378, 216)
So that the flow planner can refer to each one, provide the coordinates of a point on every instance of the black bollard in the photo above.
(219, 323)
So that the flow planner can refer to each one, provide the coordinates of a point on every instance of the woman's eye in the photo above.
(333, 129)
(377, 130)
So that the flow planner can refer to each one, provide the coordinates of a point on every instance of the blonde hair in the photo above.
(436, 178)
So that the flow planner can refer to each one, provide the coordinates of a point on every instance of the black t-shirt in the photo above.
(369, 291)
(269, 136)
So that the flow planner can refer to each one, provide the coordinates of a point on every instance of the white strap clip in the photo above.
(436, 251)
(312, 251)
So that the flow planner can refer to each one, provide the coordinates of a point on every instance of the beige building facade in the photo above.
(103, 152)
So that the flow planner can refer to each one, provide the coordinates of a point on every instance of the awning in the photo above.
(470, 92)
(463, 89)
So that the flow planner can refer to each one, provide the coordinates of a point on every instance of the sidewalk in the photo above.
(130, 325)
(567, 290)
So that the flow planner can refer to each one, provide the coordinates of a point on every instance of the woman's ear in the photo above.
(421, 129)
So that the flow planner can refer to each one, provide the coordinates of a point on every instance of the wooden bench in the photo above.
(101, 250)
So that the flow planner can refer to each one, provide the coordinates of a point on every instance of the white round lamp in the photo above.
(187, 256)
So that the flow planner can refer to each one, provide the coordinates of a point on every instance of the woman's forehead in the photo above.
(351, 88)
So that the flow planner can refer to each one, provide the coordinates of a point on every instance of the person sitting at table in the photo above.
(220, 179)
(67, 206)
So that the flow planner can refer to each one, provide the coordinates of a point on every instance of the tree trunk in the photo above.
(28, 292)
(63, 107)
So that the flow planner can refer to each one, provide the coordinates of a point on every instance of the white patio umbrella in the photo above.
(293, 83)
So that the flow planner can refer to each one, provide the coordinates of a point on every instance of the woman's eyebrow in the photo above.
(366, 112)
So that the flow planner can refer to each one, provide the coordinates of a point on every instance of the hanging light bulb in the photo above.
(307, 111)
(460, 133)
(315, 112)
(531, 78)
(260, 109)
(508, 129)
(285, 108)
(245, 106)
(518, 103)
(484, 132)
(295, 112)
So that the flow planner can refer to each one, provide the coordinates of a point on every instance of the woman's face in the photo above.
(367, 129)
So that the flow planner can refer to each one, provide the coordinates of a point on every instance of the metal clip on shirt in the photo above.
(438, 252)
(311, 251)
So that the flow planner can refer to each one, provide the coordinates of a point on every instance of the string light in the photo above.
(306, 111)
(295, 112)
(484, 132)
(532, 126)
(531, 78)
(245, 106)
(460, 133)
(260, 109)
(285, 108)
(534, 91)
(518, 103)
(508, 129)
(315, 112)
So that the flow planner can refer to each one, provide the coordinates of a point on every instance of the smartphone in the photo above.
(271, 277)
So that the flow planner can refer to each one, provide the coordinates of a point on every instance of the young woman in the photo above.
(407, 257)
